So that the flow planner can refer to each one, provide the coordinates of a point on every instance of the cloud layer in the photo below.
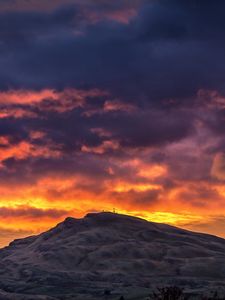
(112, 105)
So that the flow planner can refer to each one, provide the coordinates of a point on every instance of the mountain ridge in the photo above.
(110, 251)
(73, 220)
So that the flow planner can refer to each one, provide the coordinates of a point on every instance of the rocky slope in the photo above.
(82, 258)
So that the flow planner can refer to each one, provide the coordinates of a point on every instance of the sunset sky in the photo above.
(112, 104)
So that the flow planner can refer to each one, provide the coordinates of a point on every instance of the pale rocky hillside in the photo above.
(107, 251)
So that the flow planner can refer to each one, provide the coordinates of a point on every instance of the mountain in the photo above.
(103, 252)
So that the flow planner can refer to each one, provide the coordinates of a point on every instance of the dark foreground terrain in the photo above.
(111, 256)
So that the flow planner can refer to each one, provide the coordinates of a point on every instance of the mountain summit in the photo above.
(108, 251)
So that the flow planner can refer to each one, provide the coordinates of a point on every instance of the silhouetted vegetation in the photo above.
(172, 293)
(176, 293)
(168, 293)
(107, 292)
(214, 296)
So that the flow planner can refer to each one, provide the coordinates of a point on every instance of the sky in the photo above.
(112, 105)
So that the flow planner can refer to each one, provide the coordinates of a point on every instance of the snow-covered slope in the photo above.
(110, 251)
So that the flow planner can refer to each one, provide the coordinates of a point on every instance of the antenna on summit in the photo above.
(114, 210)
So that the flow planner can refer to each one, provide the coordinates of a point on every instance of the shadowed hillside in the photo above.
(106, 255)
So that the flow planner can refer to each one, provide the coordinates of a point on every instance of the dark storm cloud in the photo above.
(111, 104)
(169, 50)
(29, 170)
(68, 129)
(139, 199)
(140, 129)
(102, 5)
(200, 195)
(147, 129)
(15, 24)
(31, 212)
(155, 59)
(13, 129)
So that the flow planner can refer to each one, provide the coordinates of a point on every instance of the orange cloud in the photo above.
(102, 174)
(53, 198)
(104, 147)
(46, 99)
(25, 149)
(114, 105)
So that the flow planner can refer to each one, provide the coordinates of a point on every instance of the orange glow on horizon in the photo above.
(68, 196)
(57, 180)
